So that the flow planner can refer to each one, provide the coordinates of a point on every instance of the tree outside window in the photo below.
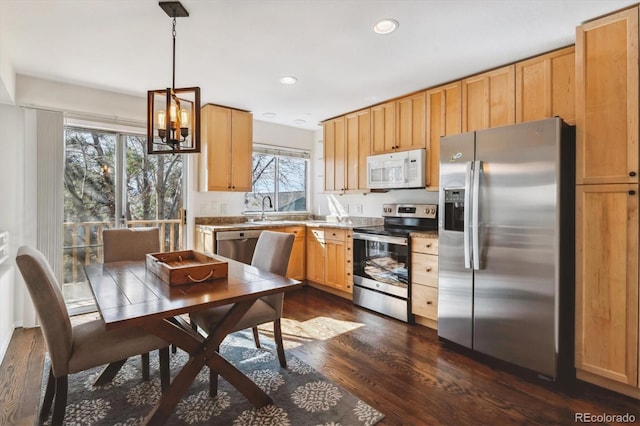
(282, 177)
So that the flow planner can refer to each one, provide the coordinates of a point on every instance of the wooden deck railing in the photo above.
(83, 242)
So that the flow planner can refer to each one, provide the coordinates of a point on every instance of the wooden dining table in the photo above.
(129, 295)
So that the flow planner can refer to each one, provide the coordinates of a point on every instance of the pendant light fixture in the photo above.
(173, 114)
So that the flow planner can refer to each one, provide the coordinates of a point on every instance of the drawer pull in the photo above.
(429, 269)
(428, 245)
(429, 302)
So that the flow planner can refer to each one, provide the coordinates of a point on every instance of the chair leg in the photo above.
(256, 337)
(163, 354)
(213, 381)
(277, 335)
(48, 397)
(145, 366)
(109, 372)
(60, 404)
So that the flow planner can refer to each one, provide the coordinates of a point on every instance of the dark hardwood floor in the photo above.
(402, 370)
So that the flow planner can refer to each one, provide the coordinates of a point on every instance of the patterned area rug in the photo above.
(301, 395)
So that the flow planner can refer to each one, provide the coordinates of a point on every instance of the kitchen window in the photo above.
(281, 174)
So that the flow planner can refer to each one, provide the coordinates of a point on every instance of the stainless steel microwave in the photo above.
(398, 170)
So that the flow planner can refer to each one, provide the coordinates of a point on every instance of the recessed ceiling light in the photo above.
(269, 114)
(288, 80)
(299, 121)
(385, 26)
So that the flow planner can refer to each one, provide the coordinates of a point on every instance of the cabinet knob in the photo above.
(429, 302)
(428, 245)
(632, 174)
(632, 192)
(429, 269)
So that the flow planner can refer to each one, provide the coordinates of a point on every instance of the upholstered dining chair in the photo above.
(271, 254)
(129, 243)
(81, 347)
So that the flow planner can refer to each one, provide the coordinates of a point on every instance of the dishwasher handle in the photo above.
(238, 235)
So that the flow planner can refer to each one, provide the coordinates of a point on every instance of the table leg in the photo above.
(202, 352)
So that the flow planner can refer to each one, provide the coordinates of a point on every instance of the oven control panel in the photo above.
(428, 211)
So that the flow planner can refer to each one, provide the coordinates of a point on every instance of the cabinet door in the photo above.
(334, 155)
(358, 147)
(545, 87)
(215, 156)
(335, 266)
(241, 150)
(315, 256)
(295, 269)
(383, 118)
(411, 122)
(444, 118)
(488, 99)
(607, 281)
(607, 99)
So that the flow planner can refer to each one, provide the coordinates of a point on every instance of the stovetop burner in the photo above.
(402, 219)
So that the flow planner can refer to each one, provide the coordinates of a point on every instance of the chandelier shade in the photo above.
(173, 114)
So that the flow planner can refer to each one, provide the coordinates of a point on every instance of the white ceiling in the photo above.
(236, 50)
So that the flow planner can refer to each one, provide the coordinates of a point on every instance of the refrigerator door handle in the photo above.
(475, 217)
(467, 214)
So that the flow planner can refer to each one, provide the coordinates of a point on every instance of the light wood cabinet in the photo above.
(296, 268)
(227, 149)
(488, 99)
(334, 155)
(411, 122)
(315, 256)
(607, 283)
(424, 280)
(358, 147)
(204, 239)
(330, 258)
(444, 118)
(383, 128)
(607, 351)
(607, 99)
(545, 87)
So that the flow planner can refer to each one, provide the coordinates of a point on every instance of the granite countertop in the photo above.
(238, 226)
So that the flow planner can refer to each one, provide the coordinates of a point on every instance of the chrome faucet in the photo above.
(270, 205)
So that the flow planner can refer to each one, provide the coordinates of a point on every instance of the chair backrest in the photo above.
(49, 303)
(272, 254)
(273, 251)
(129, 243)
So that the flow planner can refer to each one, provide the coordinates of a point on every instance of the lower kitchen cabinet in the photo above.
(330, 259)
(204, 241)
(607, 321)
(424, 281)
(297, 259)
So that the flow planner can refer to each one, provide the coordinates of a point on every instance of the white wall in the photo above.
(12, 216)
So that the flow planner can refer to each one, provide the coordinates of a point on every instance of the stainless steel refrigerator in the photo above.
(506, 235)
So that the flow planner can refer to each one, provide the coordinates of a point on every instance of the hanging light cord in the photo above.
(173, 32)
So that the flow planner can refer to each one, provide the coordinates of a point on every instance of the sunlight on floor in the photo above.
(296, 333)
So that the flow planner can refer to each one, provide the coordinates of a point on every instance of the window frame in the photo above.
(280, 152)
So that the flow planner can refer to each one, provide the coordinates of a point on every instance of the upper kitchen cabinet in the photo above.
(444, 118)
(226, 156)
(488, 99)
(383, 128)
(334, 155)
(399, 125)
(607, 99)
(358, 147)
(411, 122)
(545, 87)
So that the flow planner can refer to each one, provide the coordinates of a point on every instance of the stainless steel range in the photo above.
(382, 259)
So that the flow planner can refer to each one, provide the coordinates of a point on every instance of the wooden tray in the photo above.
(186, 267)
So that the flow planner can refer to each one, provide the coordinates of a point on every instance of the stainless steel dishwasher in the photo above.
(237, 245)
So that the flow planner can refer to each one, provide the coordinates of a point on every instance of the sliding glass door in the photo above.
(111, 182)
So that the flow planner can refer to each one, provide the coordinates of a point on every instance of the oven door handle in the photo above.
(381, 238)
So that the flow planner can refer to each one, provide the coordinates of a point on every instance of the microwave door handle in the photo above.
(467, 214)
(475, 221)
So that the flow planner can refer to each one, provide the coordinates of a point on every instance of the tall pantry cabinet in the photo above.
(607, 347)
